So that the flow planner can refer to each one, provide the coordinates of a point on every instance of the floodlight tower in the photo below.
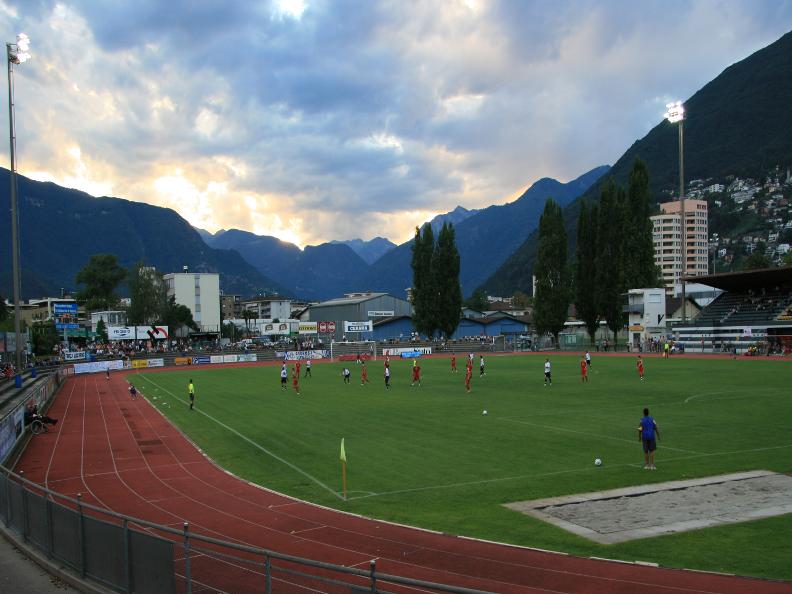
(676, 114)
(17, 53)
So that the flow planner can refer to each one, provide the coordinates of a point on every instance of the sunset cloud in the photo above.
(314, 120)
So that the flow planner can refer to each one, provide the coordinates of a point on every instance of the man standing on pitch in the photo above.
(548, 378)
(453, 363)
(648, 434)
(583, 370)
(191, 393)
(481, 366)
(308, 368)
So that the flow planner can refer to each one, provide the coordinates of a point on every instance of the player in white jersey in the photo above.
(548, 379)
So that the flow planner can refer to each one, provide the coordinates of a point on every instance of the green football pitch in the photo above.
(427, 456)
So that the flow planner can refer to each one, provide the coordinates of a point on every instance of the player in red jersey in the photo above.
(640, 367)
(583, 370)
(364, 374)
(295, 380)
(468, 375)
(298, 365)
(453, 364)
(416, 375)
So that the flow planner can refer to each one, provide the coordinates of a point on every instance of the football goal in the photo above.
(351, 351)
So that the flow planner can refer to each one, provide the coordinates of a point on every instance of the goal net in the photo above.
(351, 351)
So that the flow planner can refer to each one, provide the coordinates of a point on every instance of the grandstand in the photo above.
(754, 309)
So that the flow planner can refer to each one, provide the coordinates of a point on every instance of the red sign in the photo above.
(330, 327)
(325, 327)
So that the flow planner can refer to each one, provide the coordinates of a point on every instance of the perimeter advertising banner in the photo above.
(367, 326)
(307, 328)
(74, 356)
(275, 328)
(97, 366)
(137, 332)
(302, 355)
(398, 351)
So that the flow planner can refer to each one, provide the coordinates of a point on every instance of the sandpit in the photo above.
(651, 510)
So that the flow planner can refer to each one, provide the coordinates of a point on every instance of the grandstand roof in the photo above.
(351, 299)
(747, 279)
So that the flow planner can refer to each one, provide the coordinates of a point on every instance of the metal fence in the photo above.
(133, 555)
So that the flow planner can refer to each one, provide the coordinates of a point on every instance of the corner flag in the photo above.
(343, 468)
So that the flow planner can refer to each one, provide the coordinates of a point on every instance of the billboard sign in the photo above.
(275, 328)
(307, 328)
(65, 316)
(64, 309)
(366, 326)
(121, 332)
(137, 332)
(381, 313)
(326, 327)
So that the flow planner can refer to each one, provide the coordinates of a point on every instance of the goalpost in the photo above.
(350, 351)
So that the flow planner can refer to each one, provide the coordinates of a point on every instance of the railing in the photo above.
(134, 555)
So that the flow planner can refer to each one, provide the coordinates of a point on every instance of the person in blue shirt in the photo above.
(648, 434)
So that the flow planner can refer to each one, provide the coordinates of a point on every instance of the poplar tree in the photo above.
(551, 299)
(640, 270)
(423, 290)
(610, 256)
(586, 302)
(445, 271)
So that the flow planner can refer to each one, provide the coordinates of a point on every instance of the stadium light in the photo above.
(17, 53)
(675, 113)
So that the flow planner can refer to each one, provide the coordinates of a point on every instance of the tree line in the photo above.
(614, 252)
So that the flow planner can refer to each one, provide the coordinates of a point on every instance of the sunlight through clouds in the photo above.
(310, 122)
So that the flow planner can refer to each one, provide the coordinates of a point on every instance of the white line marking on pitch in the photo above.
(251, 442)
(588, 434)
(567, 471)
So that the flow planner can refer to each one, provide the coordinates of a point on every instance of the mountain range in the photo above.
(61, 228)
(331, 269)
(738, 124)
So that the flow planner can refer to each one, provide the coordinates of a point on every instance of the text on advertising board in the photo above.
(384, 313)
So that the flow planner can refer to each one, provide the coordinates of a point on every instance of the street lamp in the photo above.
(17, 53)
(675, 113)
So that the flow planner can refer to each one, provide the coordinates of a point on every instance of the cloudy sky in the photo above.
(313, 120)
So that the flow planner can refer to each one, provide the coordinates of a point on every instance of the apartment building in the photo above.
(667, 238)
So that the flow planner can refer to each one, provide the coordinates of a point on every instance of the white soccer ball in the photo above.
(597, 462)
(484, 412)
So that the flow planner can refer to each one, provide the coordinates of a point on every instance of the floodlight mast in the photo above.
(676, 114)
(16, 53)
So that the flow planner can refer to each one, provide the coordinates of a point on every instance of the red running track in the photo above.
(123, 455)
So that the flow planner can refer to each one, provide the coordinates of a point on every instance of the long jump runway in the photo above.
(123, 455)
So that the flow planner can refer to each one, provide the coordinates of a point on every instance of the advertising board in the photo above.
(398, 351)
(366, 326)
(326, 327)
(307, 328)
(302, 355)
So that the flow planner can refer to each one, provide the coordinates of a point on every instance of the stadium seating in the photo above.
(738, 308)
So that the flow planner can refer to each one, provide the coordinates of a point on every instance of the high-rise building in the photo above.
(667, 238)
